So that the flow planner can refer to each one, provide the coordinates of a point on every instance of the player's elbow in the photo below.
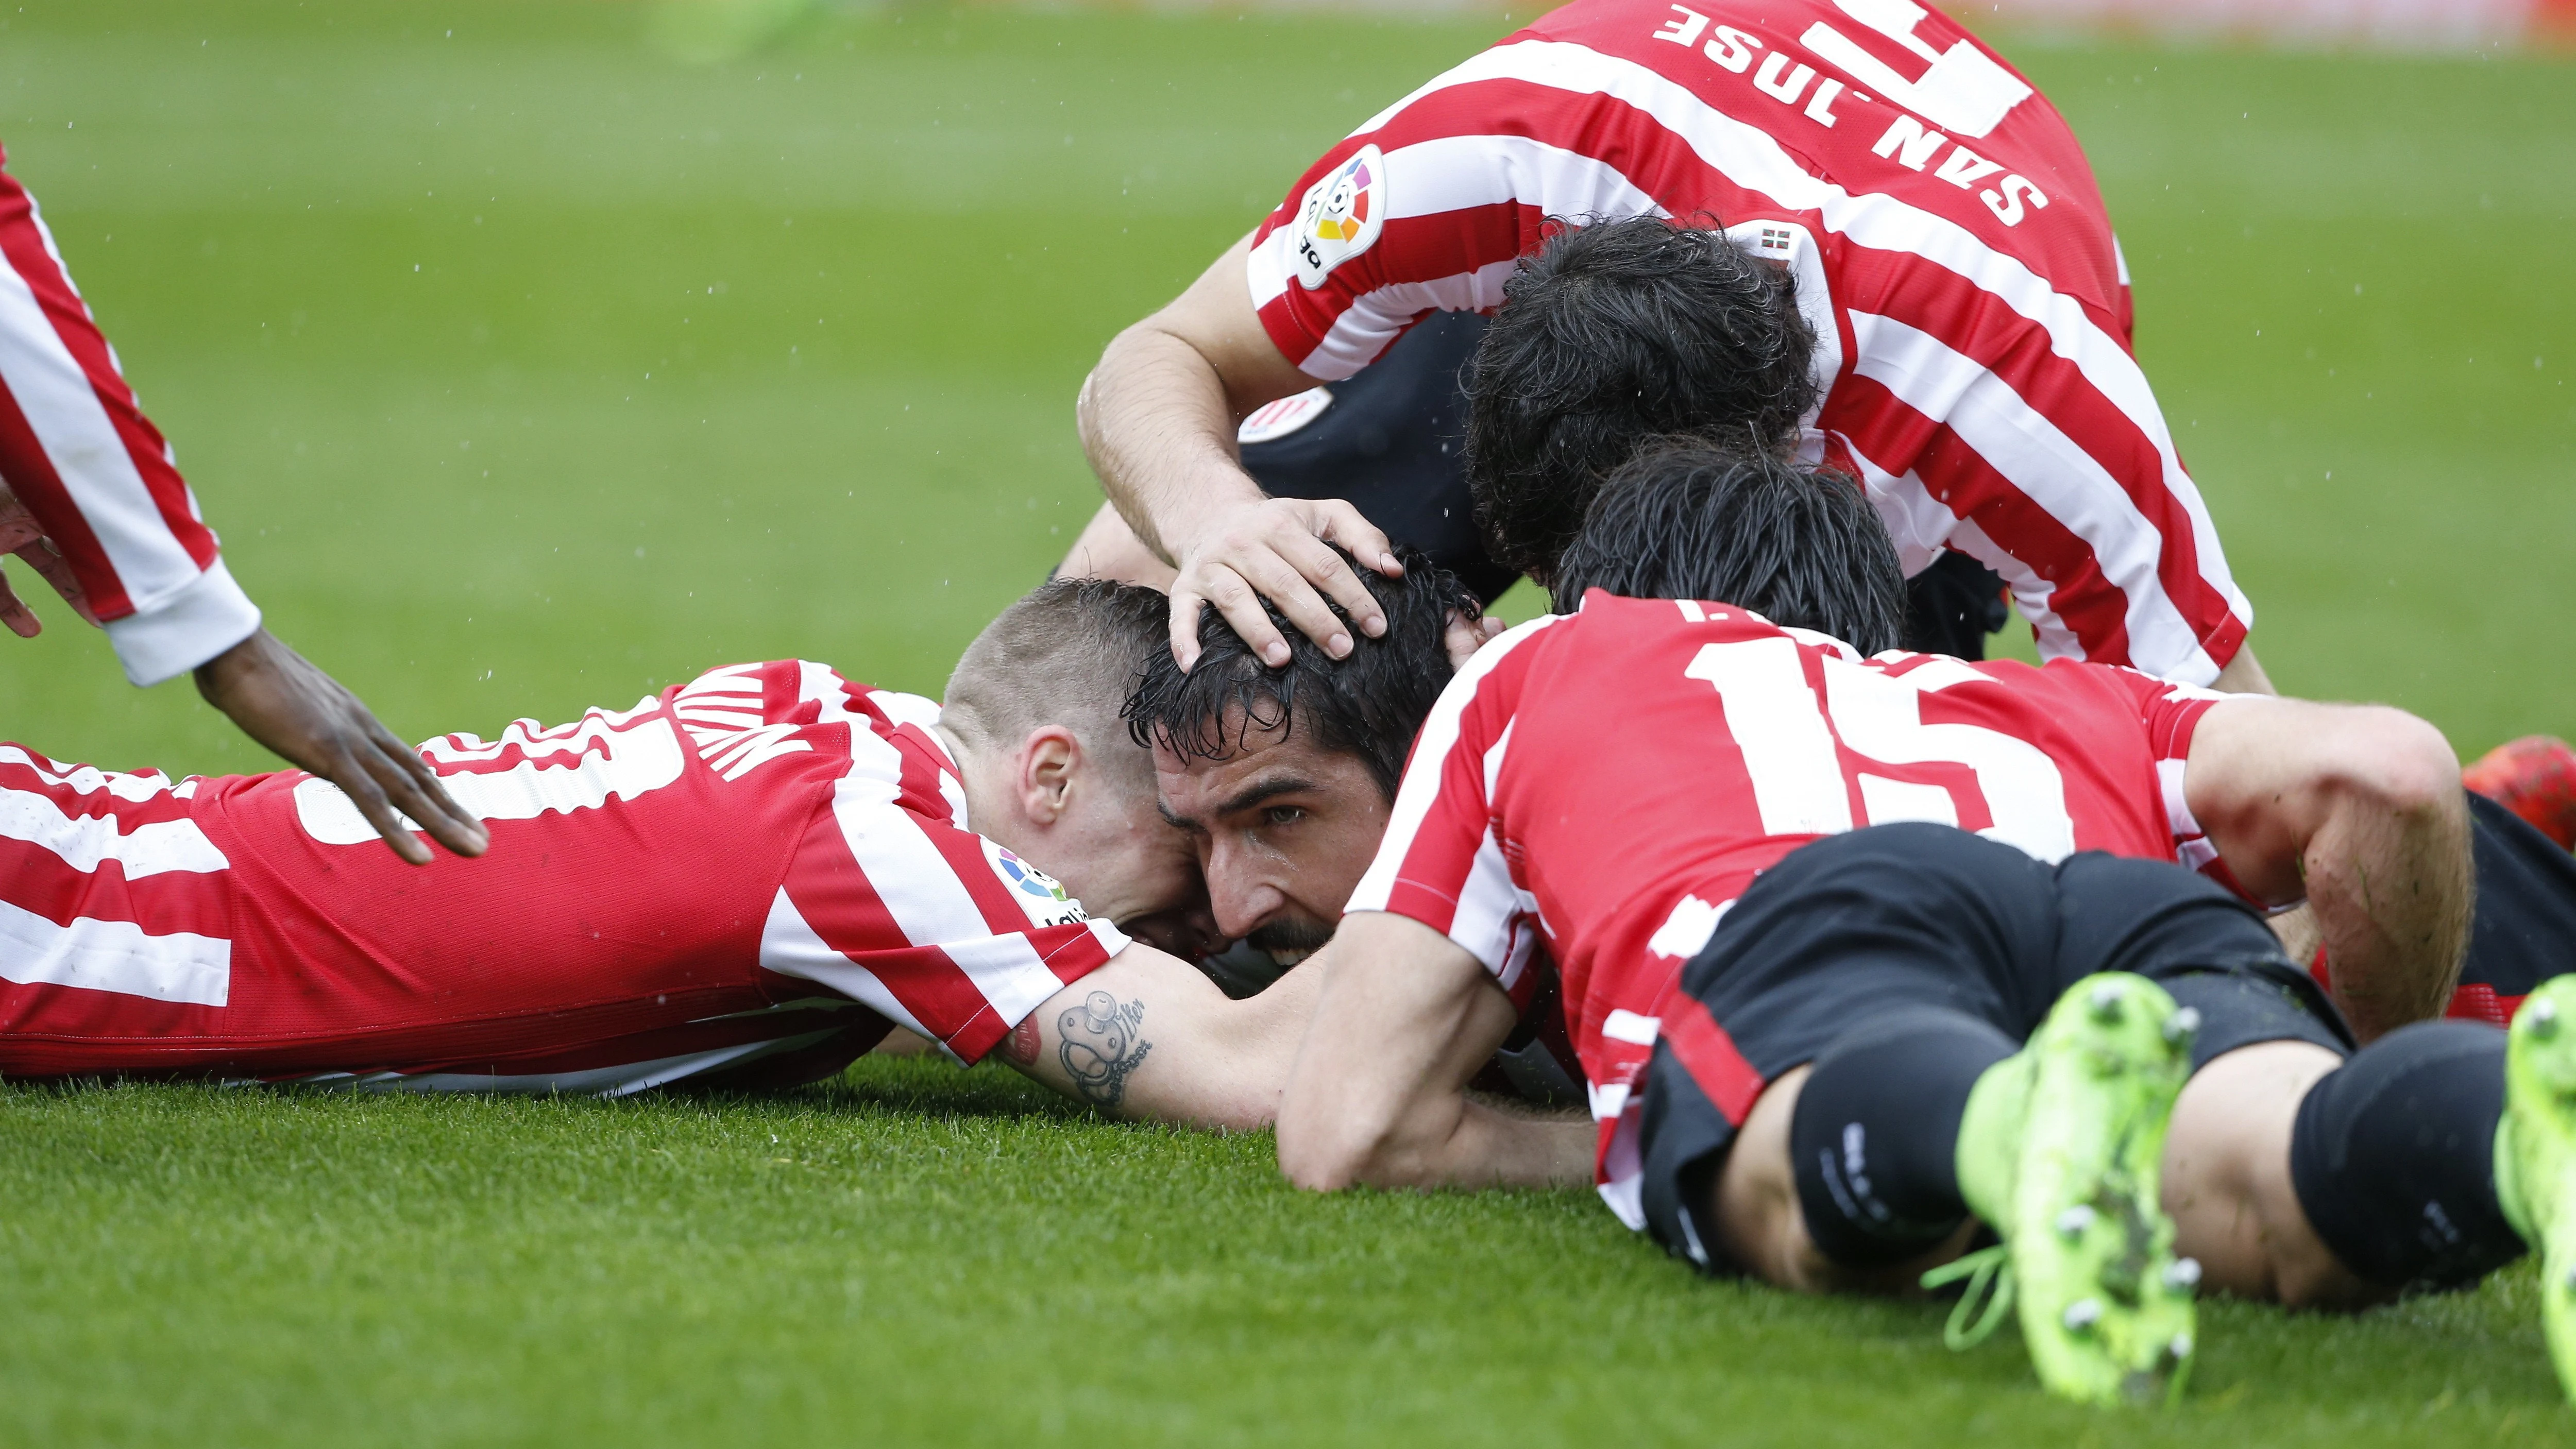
(2390, 763)
(1322, 1154)
(1330, 1140)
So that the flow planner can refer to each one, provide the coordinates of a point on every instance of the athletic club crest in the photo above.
(1341, 216)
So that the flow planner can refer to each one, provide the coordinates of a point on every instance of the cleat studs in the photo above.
(2544, 1018)
(2072, 1222)
(2183, 1274)
(2105, 1003)
(2182, 1026)
(2181, 1347)
(2082, 1314)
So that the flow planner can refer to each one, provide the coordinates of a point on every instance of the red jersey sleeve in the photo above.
(941, 930)
(1441, 862)
(1427, 207)
(890, 899)
(2169, 715)
(79, 453)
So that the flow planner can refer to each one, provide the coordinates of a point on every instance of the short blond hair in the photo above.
(1067, 653)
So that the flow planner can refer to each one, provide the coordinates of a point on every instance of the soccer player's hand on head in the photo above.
(20, 534)
(284, 702)
(1276, 549)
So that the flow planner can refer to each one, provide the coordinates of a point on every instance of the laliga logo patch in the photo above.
(1037, 892)
(1341, 216)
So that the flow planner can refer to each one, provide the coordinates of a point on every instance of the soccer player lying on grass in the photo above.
(1829, 1030)
(1614, 334)
(745, 881)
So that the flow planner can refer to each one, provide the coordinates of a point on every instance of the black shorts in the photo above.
(1925, 915)
(2525, 918)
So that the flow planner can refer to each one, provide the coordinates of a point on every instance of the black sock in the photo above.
(1875, 1137)
(2393, 1157)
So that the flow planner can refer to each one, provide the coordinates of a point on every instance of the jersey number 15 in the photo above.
(1808, 757)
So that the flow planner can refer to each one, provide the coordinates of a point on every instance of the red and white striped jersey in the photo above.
(83, 458)
(751, 864)
(1950, 248)
(1606, 783)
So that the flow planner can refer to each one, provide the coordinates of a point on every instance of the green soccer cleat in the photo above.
(2536, 1155)
(2059, 1153)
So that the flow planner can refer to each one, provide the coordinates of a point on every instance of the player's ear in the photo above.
(1050, 758)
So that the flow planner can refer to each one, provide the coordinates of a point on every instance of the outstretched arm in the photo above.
(1158, 417)
(91, 501)
(1149, 1036)
(2358, 809)
(1379, 1091)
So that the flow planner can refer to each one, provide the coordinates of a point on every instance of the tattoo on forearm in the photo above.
(1101, 1046)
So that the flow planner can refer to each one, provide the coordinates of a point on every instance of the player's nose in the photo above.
(1240, 904)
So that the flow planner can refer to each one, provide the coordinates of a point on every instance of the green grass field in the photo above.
(525, 368)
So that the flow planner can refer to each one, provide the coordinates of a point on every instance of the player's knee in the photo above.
(1753, 1196)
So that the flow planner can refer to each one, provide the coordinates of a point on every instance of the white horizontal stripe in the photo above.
(83, 841)
(114, 956)
(631, 762)
(80, 440)
(1366, 327)
(1458, 173)
(530, 738)
(89, 779)
(2047, 467)
(790, 947)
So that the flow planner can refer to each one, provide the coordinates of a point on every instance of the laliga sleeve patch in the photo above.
(1039, 895)
(1341, 216)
